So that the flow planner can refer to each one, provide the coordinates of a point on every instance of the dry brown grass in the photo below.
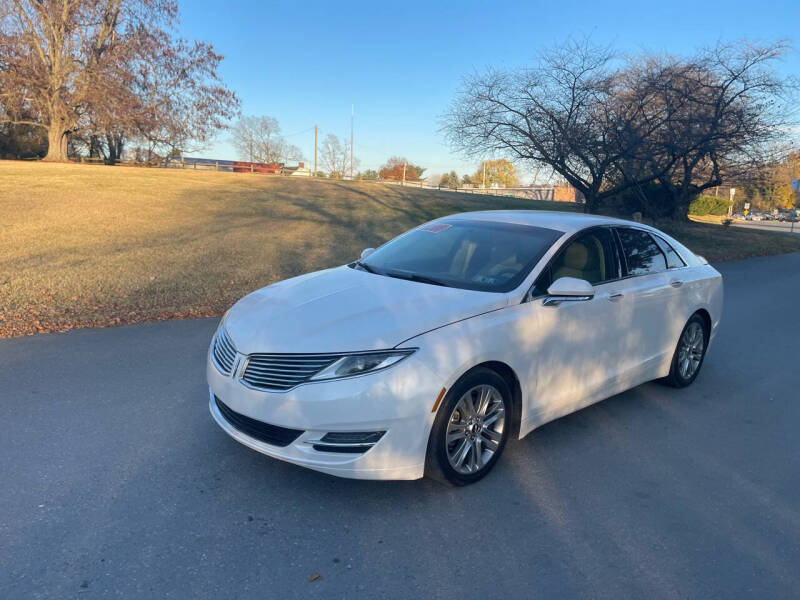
(85, 245)
(88, 245)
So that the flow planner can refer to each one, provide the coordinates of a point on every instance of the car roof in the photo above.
(567, 222)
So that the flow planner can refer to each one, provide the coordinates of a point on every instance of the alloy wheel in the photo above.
(475, 429)
(690, 350)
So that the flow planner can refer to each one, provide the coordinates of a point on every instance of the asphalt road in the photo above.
(115, 482)
(781, 226)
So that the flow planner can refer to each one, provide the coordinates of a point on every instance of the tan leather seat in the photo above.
(581, 261)
(572, 263)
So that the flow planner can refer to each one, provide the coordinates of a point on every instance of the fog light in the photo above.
(355, 442)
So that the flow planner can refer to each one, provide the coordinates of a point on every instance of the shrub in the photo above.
(708, 205)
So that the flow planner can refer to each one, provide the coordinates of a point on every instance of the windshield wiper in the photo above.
(366, 267)
(415, 277)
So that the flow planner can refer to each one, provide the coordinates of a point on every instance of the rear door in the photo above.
(647, 295)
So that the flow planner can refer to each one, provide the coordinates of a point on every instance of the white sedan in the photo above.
(426, 355)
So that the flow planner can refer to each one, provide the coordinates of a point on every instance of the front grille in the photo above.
(223, 351)
(270, 434)
(284, 371)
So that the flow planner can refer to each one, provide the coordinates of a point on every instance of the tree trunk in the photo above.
(590, 202)
(115, 145)
(681, 212)
(56, 142)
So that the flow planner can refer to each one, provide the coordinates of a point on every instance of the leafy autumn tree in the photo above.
(368, 175)
(103, 71)
(393, 170)
(770, 187)
(449, 180)
(499, 172)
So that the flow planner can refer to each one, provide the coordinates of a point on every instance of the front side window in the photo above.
(642, 254)
(591, 256)
(475, 255)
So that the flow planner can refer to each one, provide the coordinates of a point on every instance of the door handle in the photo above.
(676, 283)
(615, 297)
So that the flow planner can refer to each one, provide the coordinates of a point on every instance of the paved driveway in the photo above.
(115, 482)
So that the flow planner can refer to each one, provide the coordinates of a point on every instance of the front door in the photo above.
(576, 358)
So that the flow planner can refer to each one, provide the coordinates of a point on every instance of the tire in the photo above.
(688, 352)
(485, 427)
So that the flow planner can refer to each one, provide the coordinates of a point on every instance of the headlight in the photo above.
(365, 362)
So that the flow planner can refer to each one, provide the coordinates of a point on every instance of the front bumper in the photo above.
(397, 401)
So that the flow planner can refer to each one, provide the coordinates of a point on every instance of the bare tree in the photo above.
(734, 113)
(107, 70)
(259, 139)
(609, 127)
(335, 156)
(566, 113)
(54, 48)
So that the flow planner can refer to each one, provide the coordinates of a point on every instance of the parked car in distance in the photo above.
(430, 353)
(739, 216)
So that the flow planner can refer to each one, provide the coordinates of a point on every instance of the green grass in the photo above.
(85, 245)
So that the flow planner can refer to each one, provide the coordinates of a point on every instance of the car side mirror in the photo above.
(568, 289)
(366, 252)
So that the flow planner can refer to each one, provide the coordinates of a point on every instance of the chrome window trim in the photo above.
(671, 247)
(622, 251)
(529, 294)
(528, 297)
(683, 258)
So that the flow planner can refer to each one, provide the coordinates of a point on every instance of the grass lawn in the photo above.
(84, 245)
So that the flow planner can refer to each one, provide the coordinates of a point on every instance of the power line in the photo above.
(300, 132)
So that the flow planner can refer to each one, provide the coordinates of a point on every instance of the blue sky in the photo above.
(400, 64)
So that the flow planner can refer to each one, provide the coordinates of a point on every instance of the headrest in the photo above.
(576, 256)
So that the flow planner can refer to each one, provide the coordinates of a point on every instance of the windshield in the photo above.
(474, 255)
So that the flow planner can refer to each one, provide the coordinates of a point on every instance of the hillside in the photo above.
(89, 245)
(86, 245)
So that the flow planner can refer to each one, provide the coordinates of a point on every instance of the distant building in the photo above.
(567, 194)
(253, 167)
(299, 171)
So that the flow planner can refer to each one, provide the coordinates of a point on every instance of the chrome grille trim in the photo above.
(281, 372)
(223, 352)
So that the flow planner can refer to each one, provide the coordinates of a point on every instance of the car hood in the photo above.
(347, 310)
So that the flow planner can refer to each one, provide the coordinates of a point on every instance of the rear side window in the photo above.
(642, 254)
(674, 260)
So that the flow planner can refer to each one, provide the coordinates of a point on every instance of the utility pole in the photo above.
(404, 172)
(314, 174)
(484, 175)
(352, 110)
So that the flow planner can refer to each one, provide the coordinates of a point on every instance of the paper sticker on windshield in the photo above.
(435, 227)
